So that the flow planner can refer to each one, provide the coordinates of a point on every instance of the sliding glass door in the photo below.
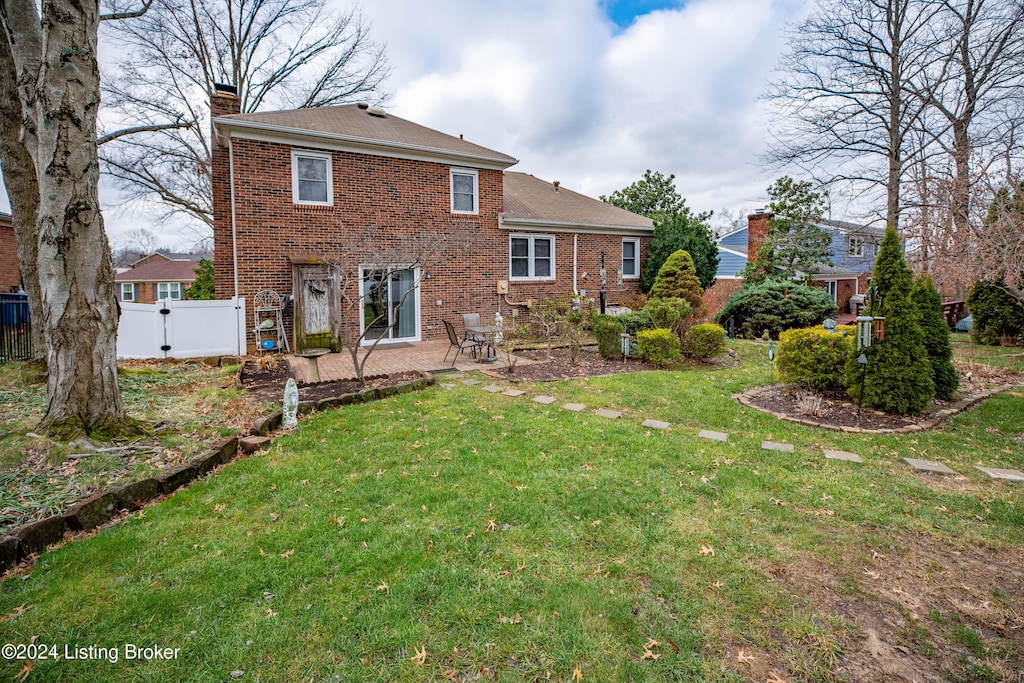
(390, 303)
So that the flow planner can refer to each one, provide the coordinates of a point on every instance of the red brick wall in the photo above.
(379, 204)
(10, 270)
(757, 232)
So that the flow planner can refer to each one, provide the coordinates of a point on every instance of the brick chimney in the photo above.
(223, 103)
(757, 232)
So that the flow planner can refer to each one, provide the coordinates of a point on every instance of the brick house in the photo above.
(10, 269)
(157, 276)
(336, 205)
(845, 277)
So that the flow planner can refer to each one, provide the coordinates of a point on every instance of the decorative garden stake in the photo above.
(291, 405)
(771, 364)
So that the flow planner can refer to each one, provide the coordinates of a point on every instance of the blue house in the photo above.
(845, 276)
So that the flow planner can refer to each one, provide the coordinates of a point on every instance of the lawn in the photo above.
(454, 534)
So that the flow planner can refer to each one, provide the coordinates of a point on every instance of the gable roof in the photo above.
(852, 228)
(532, 203)
(161, 270)
(351, 127)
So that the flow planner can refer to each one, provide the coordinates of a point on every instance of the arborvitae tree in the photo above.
(678, 278)
(899, 376)
(936, 337)
(997, 317)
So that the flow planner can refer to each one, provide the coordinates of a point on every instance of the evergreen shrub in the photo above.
(774, 306)
(814, 358)
(608, 331)
(936, 337)
(704, 341)
(660, 346)
(998, 318)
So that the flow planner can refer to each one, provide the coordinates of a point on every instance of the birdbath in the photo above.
(312, 357)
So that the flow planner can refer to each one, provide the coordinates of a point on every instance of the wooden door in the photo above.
(317, 297)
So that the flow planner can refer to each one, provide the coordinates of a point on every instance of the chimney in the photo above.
(555, 184)
(224, 101)
(757, 231)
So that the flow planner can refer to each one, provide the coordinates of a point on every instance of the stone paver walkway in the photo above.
(845, 456)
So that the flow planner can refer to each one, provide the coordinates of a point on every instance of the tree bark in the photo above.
(58, 93)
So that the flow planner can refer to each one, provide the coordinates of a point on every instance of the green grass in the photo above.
(519, 540)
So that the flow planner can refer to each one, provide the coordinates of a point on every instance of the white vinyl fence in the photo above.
(181, 329)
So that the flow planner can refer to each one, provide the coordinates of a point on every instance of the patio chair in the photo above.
(461, 344)
(472, 320)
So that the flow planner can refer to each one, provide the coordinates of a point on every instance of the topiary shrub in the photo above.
(998, 318)
(704, 341)
(936, 337)
(774, 306)
(669, 313)
(814, 358)
(608, 331)
(678, 278)
(636, 322)
(660, 346)
(898, 376)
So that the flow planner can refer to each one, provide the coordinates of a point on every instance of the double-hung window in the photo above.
(532, 257)
(168, 290)
(630, 258)
(465, 195)
(311, 178)
(856, 247)
(127, 291)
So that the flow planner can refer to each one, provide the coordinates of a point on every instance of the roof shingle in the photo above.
(161, 270)
(531, 199)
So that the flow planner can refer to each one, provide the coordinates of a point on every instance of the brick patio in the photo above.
(427, 356)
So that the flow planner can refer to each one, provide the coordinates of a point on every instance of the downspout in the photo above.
(234, 237)
(575, 248)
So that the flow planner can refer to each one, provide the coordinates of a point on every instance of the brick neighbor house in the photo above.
(845, 277)
(331, 203)
(10, 269)
(157, 276)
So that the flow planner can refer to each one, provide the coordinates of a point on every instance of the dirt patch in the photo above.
(923, 610)
(266, 381)
(588, 364)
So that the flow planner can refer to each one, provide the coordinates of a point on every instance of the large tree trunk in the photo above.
(58, 89)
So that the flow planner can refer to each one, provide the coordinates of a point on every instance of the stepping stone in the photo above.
(842, 455)
(514, 393)
(714, 436)
(493, 389)
(546, 400)
(447, 385)
(251, 444)
(574, 407)
(610, 414)
(1009, 475)
(775, 446)
(471, 382)
(655, 424)
(928, 466)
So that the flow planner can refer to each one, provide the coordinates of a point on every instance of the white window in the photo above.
(127, 291)
(464, 191)
(630, 258)
(856, 247)
(311, 178)
(532, 257)
(168, 290)
(832, 289)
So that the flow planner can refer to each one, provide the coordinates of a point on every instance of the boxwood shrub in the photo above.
(703, 341)
(608, 331)
(814, 358)
(659, 346)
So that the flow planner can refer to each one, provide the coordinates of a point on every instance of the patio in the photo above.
(427, 356)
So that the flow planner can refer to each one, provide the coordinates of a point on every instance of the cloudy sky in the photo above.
(587, 92)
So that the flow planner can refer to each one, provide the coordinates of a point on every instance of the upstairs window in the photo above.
(856, 247)
(630, 258)
(531, 257)
(311, 178)
(464, 191)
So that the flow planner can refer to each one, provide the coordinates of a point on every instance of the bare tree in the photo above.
(278, 53)
(844, 103)
(49, 86)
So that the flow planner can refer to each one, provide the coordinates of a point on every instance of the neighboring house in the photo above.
(845, 277)
(10, 270)
(157, 276)
(315, 203)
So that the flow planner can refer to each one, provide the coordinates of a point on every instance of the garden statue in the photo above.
(291, 405)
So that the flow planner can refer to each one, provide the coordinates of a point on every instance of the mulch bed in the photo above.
(267, 382)
(836, 410)
(588, 364)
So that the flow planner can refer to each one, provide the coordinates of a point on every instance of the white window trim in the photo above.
(452, 172)
(858, 250)
(832, 288)
(169, 285)
(636, 258)
(416, 303)
(128, 286)
(531, 257)
(308, 154)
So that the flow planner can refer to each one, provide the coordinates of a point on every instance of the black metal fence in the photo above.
(15, 328)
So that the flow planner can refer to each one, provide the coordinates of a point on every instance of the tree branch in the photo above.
(130, 14)
(142, 129)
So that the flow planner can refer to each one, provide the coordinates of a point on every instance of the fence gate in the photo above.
(15, 327)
